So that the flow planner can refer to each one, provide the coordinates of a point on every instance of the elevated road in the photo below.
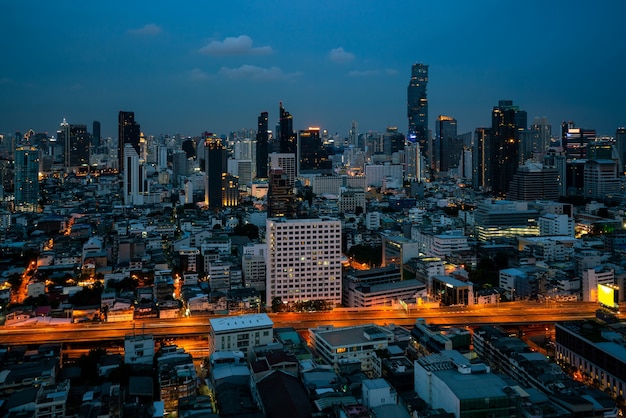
(517, 313)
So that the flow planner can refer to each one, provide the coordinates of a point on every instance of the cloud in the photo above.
(198, 75)
(5, 80)
(371, 73)
(241, 45)
(340, 56)
(257, 73)
(148, 30)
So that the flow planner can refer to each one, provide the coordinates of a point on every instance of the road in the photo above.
(515, 313)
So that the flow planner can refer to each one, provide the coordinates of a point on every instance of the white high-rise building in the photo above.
(303, 259)
(134, 177)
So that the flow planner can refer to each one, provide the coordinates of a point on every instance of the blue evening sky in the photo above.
(190, 66)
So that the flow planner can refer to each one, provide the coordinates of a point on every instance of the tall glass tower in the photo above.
(262, 144)
(417, 108)
(27, 177)
(129, 132)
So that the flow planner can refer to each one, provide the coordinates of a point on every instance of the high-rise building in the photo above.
(95, 132)
(481, 160)
(303, 259)
(313, 154)
(76, 145)
(506, 122)
(280, 196)
(287, 138)
(533, 181)
(27, 177)
(600, 179)
(129, 132)
(620, 144)
(417, 108)
(575, 140)
(216, 162)
(262, 146)
(135, 181)
(447, 147)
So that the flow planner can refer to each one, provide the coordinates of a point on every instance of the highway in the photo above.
(515, 313)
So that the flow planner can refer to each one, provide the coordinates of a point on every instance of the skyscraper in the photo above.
(96, 133)
(281, 200)
(620, 144)
(129, 132)
(76, 145)
(134, 177)
(216, 163)
(313, 155)
(481, 176)
(506, 122)
(287, 137)
(27, 177)
(417, 108)
(262, 146)
(447, 151)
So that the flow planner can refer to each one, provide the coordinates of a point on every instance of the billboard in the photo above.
(608, 296)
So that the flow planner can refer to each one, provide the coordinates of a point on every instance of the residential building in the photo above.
(139, 349)
(27, 178)
(240, 333)
(347, 346)
(448, 381)
(303, 259)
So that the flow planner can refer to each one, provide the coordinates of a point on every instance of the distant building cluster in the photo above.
(287, 218)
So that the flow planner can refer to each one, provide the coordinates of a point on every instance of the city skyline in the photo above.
(211, 67)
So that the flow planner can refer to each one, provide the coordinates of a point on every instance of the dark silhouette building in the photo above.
(216, 157)
(281, 199)
(287, 138)
(313, 154)
(262, 146)
(76, 144)
(129, 132)
(447, 147)
(507, 121)
(95, 133)
(417, 109)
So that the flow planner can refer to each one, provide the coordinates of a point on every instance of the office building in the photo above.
(287, 138)
(575, 140)
(447, 147)
(216, 162)
(450, 382)
(498, 219)
(240, 333)
(313, 154)
(129, 132)
(417, 109)
(600, 179)
(281, 201)
(27, 178)
(620, 145)
(303, 260)
(76, 145)
(594, 350)
(481, 160)
(533, 181)
(262, 145)
(95, 133)
(507, 121)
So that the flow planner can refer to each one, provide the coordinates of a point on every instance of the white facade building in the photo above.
(240, 333)
(552, 224)
(592, 278)
(303, 259)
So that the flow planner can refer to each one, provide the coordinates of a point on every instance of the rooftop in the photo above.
(233, 323)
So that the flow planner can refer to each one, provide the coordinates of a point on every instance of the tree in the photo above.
(248, 230)
(277, 304)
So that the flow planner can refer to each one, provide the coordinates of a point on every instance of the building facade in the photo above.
(303, 259)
